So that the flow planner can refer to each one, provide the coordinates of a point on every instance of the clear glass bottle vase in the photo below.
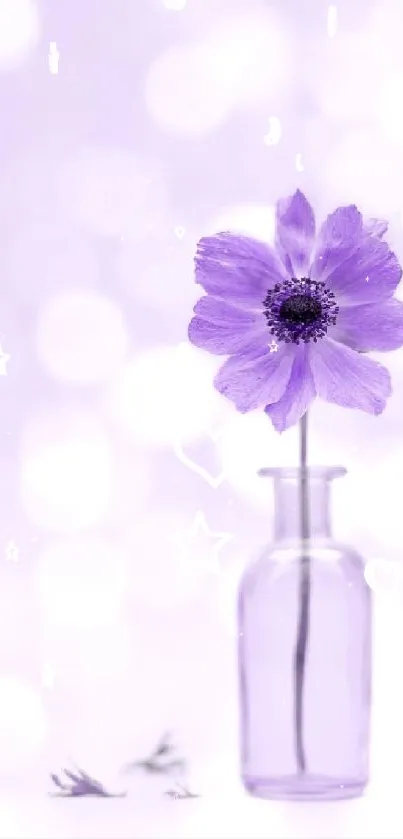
(325, 755)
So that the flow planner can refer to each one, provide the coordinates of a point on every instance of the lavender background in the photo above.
(129, 500)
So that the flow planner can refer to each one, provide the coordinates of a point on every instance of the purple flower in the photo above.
(296, 319)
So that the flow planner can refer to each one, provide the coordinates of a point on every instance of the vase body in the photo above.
(336, 692)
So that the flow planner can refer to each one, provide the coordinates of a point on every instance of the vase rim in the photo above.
(327, 472)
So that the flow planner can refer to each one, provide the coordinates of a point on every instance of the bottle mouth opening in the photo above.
(314, 472)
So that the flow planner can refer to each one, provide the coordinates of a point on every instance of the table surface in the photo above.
(146, 814)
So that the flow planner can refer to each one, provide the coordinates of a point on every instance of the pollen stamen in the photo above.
(299, 310)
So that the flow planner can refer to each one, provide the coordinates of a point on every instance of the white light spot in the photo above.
(332, 21)
(161, 277)
(388, 112)
(247, 443)
(175, 5)
(256, 220)
(81, 582)
(54, 56)
(113, 192)
(4, 359)
(298, 162)
(45, 257)
(184, 94)
(65, 472)
(273, 346)
(385, 576)
(273, 135)
(361, 76)
(365, 169)
(179, 232)
(19, 31)
(12, 554)
(250, 51)
(13, 824)
(166, 394)
(48, 676)
(192, 89)
(345, 86)
(81, 337)
(22, 724)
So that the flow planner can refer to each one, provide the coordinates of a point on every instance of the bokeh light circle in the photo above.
(81, 337)
(19, 31)
(22, 724)
(255, 220)
(81, 582)
(45, 257)
(366, 170)
(163, 280)
(251, 52)
(173, 561)
(165, 396)
(246, 443)
(183, 94)
(113, 192)
(66, 467)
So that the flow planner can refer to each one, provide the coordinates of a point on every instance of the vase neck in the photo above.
(287, 501)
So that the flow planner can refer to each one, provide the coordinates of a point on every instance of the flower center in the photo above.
(299, 310)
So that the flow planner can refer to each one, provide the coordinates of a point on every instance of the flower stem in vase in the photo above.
(304, 595)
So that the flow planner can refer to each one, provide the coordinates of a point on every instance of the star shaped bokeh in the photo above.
(203, 546)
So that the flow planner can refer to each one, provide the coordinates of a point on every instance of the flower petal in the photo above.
(348, 379)
(224, 314)
(255, 380)
(376, 227)
(357, 266)
(237, 268)
(56, 780)
(298, 395)
(370, 274)
(295, 232)
(370, 327)
(223, 329)
(337, 239)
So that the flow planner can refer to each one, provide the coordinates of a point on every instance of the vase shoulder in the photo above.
(326, 556)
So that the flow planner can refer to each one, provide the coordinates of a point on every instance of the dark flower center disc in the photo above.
(300, 309)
